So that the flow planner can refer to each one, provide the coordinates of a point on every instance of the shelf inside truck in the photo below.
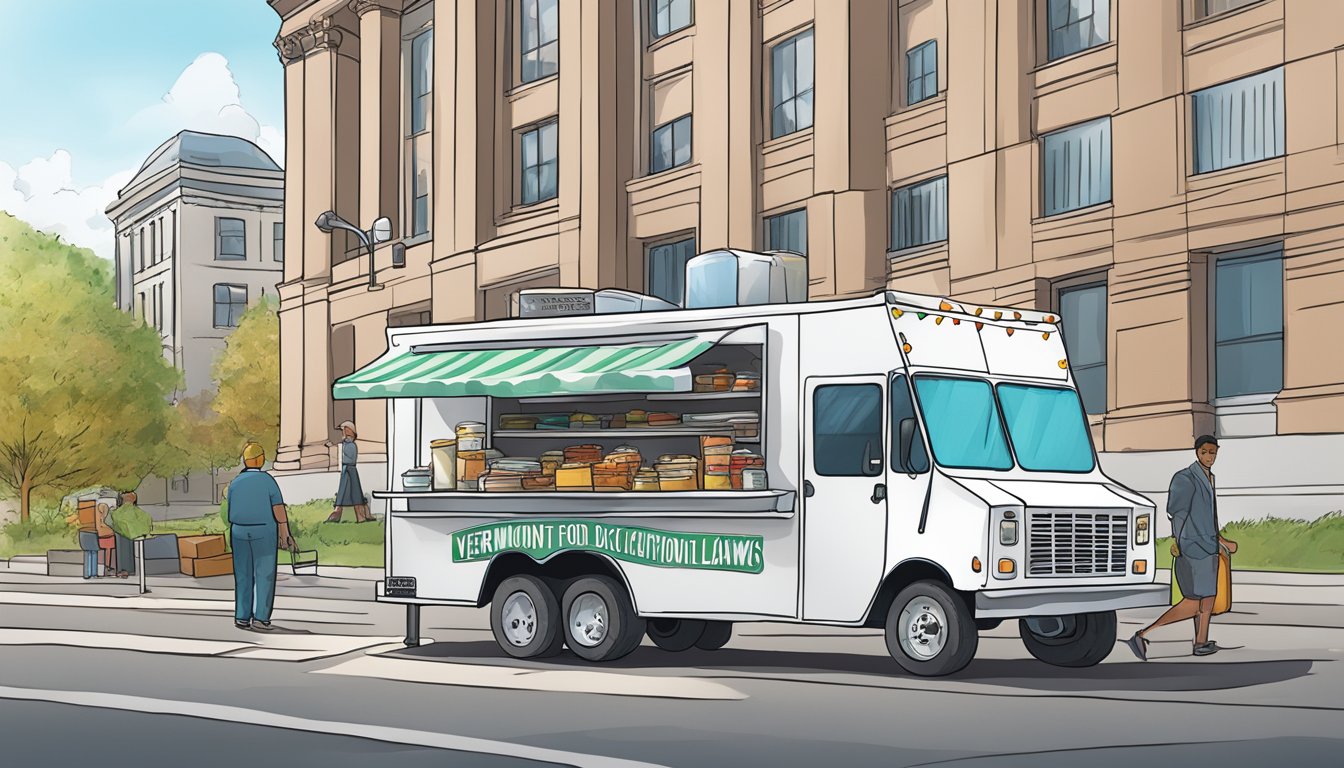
(692, 503)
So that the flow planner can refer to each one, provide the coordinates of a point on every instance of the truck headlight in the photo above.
(1141, 530)
(1008, 532)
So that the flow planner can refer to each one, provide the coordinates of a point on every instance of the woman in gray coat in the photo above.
(349, 493)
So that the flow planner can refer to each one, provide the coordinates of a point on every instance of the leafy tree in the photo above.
(248, 375)
(83, 386)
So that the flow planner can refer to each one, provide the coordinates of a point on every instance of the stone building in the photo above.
(1164, 175)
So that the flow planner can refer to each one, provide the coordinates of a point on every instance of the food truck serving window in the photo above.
(964, 425)
(847, 430)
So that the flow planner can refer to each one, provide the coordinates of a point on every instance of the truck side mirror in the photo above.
(907, 430)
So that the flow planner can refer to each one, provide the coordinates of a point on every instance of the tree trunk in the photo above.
(25, 491)
(167, 492)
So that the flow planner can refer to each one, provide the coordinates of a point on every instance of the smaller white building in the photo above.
(199, 239)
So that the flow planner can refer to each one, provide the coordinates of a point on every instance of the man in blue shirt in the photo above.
(258, 525)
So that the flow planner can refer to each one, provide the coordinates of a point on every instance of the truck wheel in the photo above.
(525, 618)
(675, 634)
(1077, 640)
(715, 636)
(930, 630)
(600, 620)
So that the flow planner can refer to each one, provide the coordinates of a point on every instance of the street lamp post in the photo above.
(380, 232)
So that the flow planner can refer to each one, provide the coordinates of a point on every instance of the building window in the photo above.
(540, 163)
(540, 39)
(791, 85)
(172, 243)
(666, 269)
(670, 145)
(141, 250)
(230, 304)
(142, 306)
(1215, 7)
(668, 16)
(1248, 324)
(163, 240)
(921, 72)
(278, 241)
(1082, 318)
(787, 232)
(230, 239)
(1077, 167)
(159, 309)
(418, 54)
(1238, 122)
(1076, 25)
(919, 214)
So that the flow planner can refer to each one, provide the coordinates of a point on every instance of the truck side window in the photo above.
(847, 430)
(902, 408)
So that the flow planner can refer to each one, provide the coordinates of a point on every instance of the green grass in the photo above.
(1281, 545)
(45, 529)
(344, 543)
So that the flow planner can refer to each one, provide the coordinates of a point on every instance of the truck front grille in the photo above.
(1074, 542)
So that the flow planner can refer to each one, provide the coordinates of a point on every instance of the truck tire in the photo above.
(930, 630)
(675, 634)
(1077, 640)
(525, 618)
(600, 620)
(715, 636)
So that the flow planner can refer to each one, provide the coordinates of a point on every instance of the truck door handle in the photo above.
(808, 490)
(879, 493)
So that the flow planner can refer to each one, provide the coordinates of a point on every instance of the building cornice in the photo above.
(361, 7)
(324, 33)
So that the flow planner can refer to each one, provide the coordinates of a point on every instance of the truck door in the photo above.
(844, 495)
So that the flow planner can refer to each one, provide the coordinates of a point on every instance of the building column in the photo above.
(379, 109)
(322, 156)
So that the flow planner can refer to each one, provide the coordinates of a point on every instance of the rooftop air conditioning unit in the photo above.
(727, 278)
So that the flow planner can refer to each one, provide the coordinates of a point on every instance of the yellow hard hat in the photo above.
(253, 451)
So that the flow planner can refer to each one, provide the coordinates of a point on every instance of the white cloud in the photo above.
(205, 97)
(43, 194)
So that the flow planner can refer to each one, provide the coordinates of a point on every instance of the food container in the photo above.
(611, 476)
(703, 383)
(754, 479)
(715, 441)
(443, 458)
(747, 381)
(553, 421)
(495, 482)
(538, 483)
(517, 466)
(677, 481)
(551, 461)
(628, 456)
(723, 380)
(616, 421)
(741, 460)
(637, 417)
(470, 466)
(584, 421)
(517, 421)
(661, 419)
(718, 481)
(583, 454)
(746, 428)
(417, 479)
(645, 480)
(470, 436)
(574, 477)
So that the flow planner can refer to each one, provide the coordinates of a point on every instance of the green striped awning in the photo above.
(652, 366)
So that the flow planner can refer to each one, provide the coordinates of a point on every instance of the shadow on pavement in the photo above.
(1015, 673)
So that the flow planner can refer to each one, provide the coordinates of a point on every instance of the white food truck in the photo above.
(928, 470)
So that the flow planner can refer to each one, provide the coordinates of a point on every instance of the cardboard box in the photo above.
(198, 547)
(219, 565)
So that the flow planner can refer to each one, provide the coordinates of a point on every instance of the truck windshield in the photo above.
(1047, 427)
(963, 423)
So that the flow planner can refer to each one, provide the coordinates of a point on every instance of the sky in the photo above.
(88, 88)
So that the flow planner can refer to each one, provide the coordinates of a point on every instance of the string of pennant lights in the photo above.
(944, 306)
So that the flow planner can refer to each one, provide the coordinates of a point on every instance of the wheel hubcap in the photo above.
(588, 620)
(519, 617)
(923, 629)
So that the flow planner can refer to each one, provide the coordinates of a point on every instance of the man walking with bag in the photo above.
(258, 525)
(1192, 505)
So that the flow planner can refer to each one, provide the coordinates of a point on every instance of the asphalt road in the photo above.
(777, 695)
